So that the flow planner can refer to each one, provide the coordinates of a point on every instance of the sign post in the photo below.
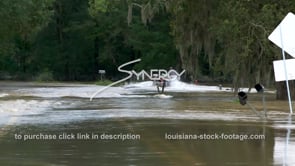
(284, 37)
(101, 72)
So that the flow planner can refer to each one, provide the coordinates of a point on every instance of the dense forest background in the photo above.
(70, 40)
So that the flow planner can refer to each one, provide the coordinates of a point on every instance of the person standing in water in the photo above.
(161, 84)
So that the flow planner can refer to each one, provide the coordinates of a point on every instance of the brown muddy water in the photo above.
(57, 125)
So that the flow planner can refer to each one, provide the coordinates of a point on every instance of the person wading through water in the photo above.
(161, 84)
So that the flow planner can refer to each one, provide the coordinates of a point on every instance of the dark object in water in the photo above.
(242, 98)
(259, 88)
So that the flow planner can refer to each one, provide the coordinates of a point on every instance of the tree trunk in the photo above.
(95, 58)
(282, 93)
(60, 36)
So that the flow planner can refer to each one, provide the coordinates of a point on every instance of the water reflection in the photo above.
(284, 150)
(151, 149)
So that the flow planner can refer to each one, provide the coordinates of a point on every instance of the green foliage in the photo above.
(154, 44)
(103, 82)
(98, 6)
(44, 76)
(63, 46)
(120, 43)
(242, 28)
(23, 17)
(21, 20)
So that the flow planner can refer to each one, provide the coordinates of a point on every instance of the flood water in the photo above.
(57, 124)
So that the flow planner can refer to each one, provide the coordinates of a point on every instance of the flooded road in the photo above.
(57, 124)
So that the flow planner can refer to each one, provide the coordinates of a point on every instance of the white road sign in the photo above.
(287, 29)
(280, 70)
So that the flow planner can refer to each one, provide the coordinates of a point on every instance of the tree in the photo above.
(231, 36)
(21, 20)
(65, 44)
(247, 54)
(121, 42)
